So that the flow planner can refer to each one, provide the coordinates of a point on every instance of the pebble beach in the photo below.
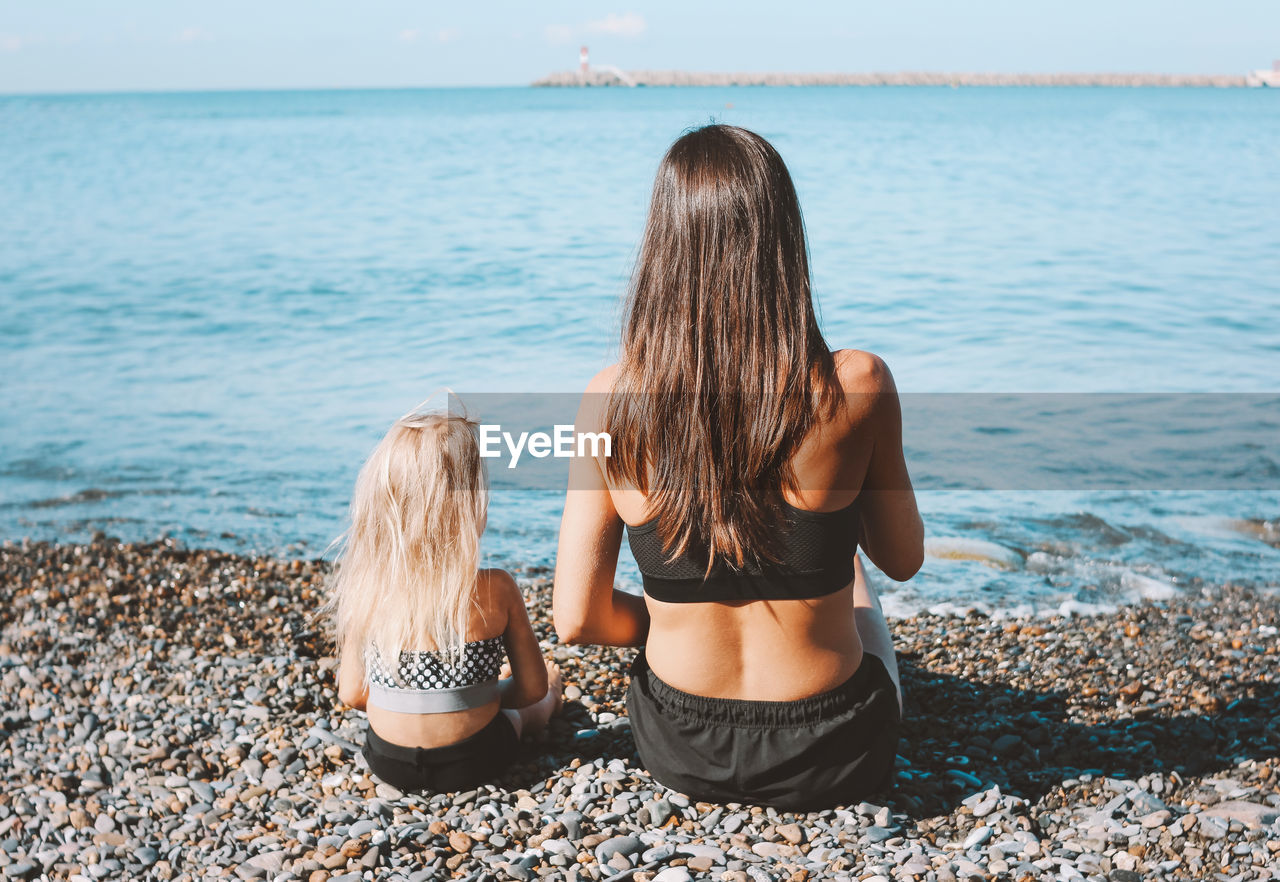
(172, 714)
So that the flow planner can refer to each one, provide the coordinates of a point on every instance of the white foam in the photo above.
(948, 608)
(1043, 562)
(1080, 608)
(1147, 587)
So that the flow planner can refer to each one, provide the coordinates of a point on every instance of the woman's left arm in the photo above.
(585, 605)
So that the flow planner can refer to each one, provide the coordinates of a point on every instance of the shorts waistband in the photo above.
(426, 757)
(859, 689)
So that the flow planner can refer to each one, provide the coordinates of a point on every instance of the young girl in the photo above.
(421, 630)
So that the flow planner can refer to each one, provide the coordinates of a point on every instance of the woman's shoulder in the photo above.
(866, 388)
(595, 399)
(859, 371)
(602, 382)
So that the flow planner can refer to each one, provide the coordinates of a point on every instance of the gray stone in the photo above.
(1144, 803)
(660, 811)
(977, 838)
(1252, 814)
(557, 846)
(1212, 826)
(1155, 819)
(877, 833)
(709, 851)
(572, 824)
(362, 828)
(985, 807)
(271, 861)
(623, 845)
(1005, 743)
(657, 853)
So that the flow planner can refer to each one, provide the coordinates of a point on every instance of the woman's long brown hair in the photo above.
(723, 370)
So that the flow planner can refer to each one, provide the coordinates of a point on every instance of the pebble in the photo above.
(673, 874)
(1253, 815)
(977, 838)
(791, 833)
(1212, 826)
(876, 833)
(623, 845)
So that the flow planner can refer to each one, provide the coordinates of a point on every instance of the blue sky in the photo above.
(89, 45)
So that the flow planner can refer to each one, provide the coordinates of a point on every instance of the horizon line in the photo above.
(542, 81)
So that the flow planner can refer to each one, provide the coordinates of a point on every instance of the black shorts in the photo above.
(462, 766)
(832, 749)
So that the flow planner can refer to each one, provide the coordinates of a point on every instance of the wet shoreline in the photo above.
(172, 712)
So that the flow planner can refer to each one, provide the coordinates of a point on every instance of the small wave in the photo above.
(92, 495)
(1263, 531)
(980, 550)
(89, 494)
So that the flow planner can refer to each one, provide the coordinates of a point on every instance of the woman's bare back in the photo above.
(777, 650)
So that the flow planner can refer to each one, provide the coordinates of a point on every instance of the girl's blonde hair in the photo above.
(407, 563)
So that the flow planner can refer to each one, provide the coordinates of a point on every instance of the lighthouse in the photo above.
(582, 61)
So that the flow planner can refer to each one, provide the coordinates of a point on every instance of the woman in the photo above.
(748, 463)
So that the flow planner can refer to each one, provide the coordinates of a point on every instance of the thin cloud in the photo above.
(558, 35)
(629, 24)
(191, 35)
(448, 35)
(409, 35)
(10, 43)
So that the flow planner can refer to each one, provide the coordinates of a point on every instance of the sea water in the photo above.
(213, 304)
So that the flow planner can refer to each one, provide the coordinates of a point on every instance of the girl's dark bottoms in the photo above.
(832, 749)
(461, 766)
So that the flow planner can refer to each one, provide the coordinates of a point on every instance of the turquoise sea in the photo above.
(211, 305)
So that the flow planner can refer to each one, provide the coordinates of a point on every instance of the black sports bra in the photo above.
(818, 558)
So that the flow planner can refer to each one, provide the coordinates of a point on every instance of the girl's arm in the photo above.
(528, 681)
(891, 533)
(353, 691)
(585, 605)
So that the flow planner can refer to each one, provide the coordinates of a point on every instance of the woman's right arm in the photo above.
(892, 533)
(585, 605)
